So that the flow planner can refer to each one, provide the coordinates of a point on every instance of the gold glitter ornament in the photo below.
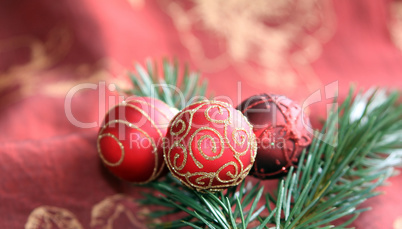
(209, 145)
(130, 140)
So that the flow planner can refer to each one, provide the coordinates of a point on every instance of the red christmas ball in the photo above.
(209, 146)
(280, 128)
(130, 140)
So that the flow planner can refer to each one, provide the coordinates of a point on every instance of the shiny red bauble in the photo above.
(209, 145)
(280, 127)
(130, 140)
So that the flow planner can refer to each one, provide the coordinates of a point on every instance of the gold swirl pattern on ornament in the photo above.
(238, 153)
(236, 134)
(155, 173)
(205, 176)
(229, 174)
(199, 142)
(219, 107)
(200, 185)
(178, 121)
(156, 128)
(250, 144)
(121, 148)
(175, 122)
(200, 182)
(153, 123)
(177, 156)
(183, 127)
(146, 116)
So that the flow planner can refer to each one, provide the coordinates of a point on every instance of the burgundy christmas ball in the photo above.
(130, 140)
(209, 145)
(280, 128)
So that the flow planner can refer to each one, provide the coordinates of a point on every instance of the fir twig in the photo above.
(361, 145)
(174, 89)
(342, 179)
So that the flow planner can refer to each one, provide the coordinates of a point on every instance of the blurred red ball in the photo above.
(280, 127)
(209, 146)
(130, 140)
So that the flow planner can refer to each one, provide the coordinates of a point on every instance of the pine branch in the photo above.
(220, 210)
(174, 89)
(369, 132)
(329, 183)
(361, 145)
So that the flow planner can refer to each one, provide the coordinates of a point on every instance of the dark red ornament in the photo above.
(130, 140)
(280, 127)
(210, 146)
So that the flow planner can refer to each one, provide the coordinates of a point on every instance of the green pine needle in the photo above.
(174, 89)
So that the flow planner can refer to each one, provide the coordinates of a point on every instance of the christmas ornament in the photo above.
(279, 125)
(209, 146)
(347, 138)
(130, 140)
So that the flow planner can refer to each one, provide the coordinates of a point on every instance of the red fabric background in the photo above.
(48, 47)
